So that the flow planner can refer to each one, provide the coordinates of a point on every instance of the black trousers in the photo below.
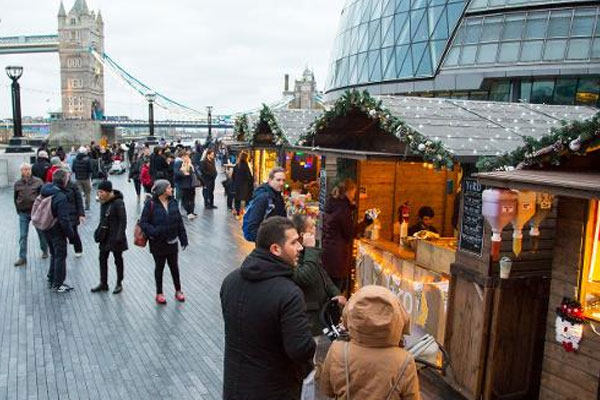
(138, 186)
(57, 244)
(159, 267)
(208, 191)
(77, 241)
(188, 199)
(103, 257)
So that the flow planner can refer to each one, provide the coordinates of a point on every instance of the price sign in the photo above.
(322, 190)
(471, 229)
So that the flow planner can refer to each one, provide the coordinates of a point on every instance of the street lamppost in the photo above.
(17, 143)
(209, 137)
(150, 97)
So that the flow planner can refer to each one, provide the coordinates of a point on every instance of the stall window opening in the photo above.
(590, 288)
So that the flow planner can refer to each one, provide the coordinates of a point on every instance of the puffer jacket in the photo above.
(376, 321)
(163, 226)
(74, 203)
(82, 167)
(114, 216)
(60, 210)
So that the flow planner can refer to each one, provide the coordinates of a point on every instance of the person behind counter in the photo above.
(425, 223)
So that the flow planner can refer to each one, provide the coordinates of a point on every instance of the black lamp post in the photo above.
(17, 144)
(209, 137)
(150, 97)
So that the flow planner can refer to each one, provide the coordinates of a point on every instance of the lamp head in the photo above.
(150, 97)
(14, 72)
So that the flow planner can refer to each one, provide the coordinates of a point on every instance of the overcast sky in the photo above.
(231, 54)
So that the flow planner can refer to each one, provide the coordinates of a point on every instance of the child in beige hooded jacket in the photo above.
(372, 365)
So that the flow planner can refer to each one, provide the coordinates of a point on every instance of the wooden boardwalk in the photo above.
(80, 345)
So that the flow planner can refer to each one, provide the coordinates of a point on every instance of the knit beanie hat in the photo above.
(83, 150)
(160, 186)
(55, 161)
(43, 154)
(105, 185)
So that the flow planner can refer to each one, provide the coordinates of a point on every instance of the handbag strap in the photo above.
(400, 374)
(347, 371)
(347, 368)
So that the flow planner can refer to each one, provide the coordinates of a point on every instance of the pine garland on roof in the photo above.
(564, 141)
(352, 100)
(240, 128)
(266, 116)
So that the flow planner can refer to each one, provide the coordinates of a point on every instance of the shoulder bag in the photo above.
(139, 238)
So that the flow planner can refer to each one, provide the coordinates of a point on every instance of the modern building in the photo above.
(536, 51)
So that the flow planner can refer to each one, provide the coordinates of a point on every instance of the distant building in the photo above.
(534, 51)
(82, 76)
(305, 94)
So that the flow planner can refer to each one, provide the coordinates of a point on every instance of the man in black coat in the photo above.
(62, 230)
(268, 343)
(83, 170)
(209, 174)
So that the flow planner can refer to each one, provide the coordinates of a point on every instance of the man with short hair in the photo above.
(26, 190)
(83, 170)
(266, 202)
(208, 169)
(62, 230)
(268, 342)
(425, 223)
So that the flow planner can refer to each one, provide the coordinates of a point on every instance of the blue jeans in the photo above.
(24, 220)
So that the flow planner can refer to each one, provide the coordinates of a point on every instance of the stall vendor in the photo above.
(425, 223)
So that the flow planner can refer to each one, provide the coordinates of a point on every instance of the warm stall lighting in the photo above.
(590, 285)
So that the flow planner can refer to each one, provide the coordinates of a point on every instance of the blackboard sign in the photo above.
(322, 190)
(471, 230)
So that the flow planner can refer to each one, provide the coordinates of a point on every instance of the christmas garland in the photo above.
(565, 141)
(431, 150)
(266, 116)
(240, 128)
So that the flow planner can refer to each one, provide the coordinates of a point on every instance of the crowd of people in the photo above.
(272, 305)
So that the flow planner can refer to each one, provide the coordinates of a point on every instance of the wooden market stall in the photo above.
(273, 130)
(421, 151)
(505, 335)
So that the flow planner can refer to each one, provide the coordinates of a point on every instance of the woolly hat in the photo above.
(105, 185)
(55, 161)
(160, 186)
(83, 150)
(43, 154)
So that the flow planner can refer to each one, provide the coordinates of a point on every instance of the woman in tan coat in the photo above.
(372, 365)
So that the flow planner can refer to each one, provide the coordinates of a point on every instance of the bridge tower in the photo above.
(82, 76)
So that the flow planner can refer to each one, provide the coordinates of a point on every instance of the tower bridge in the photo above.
(80, 47)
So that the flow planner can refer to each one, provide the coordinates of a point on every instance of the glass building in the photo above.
(537, 51)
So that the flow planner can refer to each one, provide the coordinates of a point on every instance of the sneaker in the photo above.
(62, 288)
(161, 299)
(45, 254)
(20, 261)
(190, 216)
(118, 289)
(179, 297)
(78, 255)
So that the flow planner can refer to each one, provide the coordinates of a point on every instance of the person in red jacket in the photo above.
(55, 162)
(145, 177)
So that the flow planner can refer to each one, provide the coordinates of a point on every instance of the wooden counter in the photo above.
(390, 247)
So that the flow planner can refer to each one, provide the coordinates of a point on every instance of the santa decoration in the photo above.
(569, 324)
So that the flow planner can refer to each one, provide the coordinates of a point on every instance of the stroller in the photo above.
(427, 352)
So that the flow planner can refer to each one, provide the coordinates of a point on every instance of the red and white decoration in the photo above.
(569, 324)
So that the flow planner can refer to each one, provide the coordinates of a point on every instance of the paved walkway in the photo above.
(80, 345)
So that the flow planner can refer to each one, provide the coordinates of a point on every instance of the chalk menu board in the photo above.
(471, 230)
(322, 190)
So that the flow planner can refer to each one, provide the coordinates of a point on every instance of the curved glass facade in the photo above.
(562, 35)
(384, 40)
